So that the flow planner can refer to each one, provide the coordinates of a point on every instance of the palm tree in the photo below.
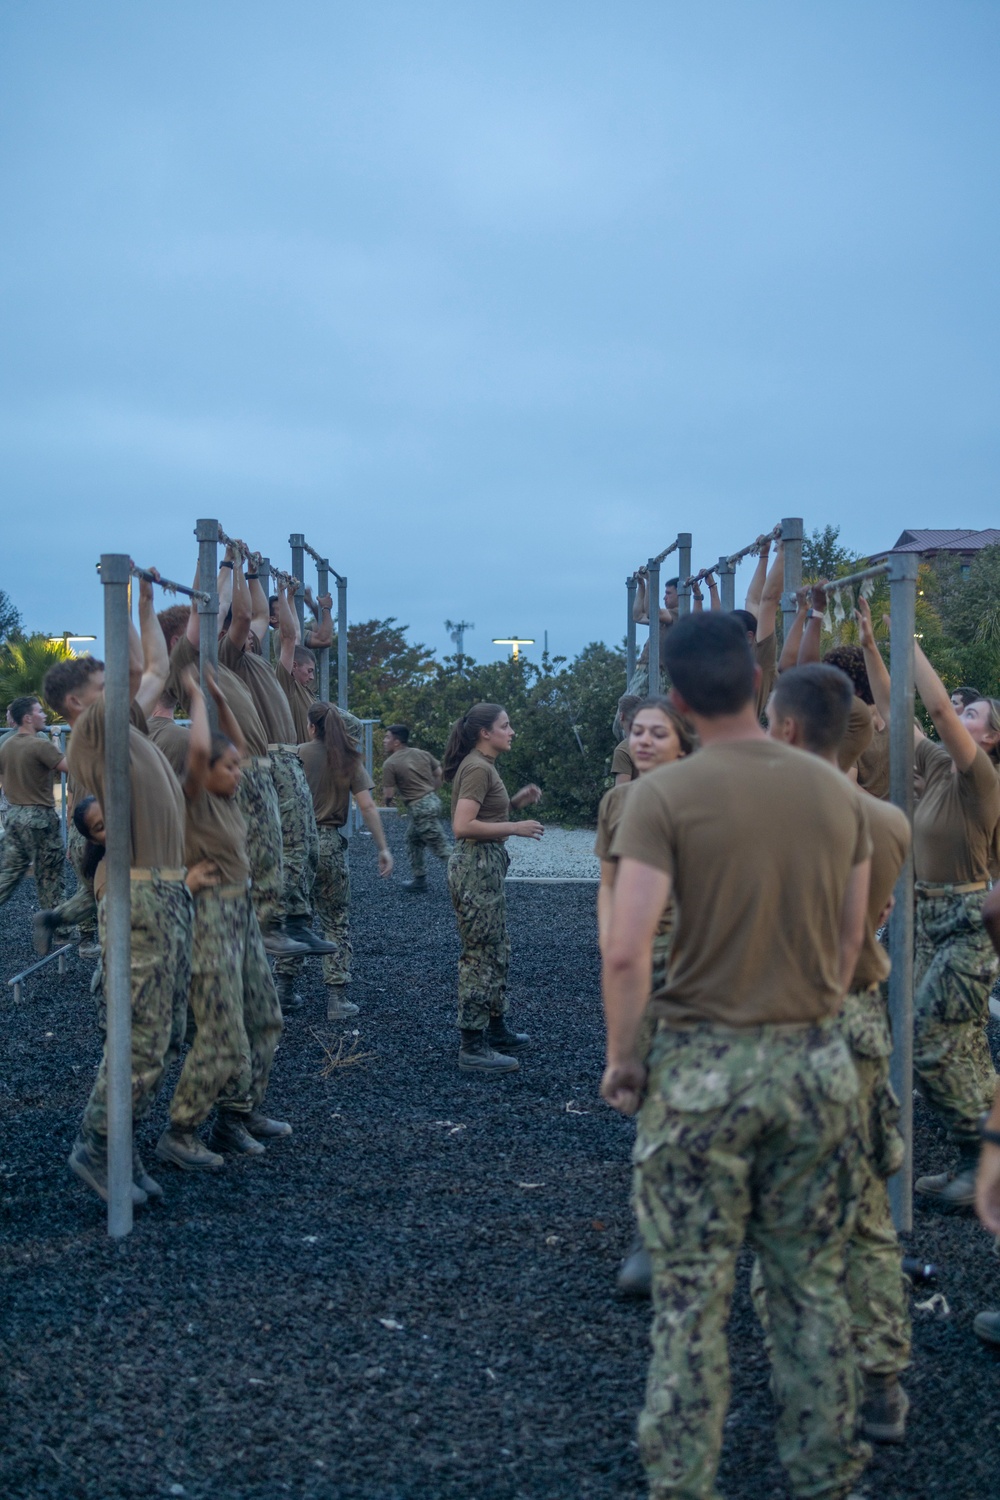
(23, 665)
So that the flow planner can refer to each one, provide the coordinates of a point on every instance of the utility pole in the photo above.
(456, 629)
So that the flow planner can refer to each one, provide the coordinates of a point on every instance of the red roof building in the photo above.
(930, 545)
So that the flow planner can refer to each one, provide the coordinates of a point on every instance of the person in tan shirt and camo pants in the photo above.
(416, 776)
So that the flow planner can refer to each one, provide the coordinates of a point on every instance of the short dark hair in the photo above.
(20, 708)
(747, 619)
(671, 583)
(708, 660)
(221, 745)
(851, 659)
(174, 621)
(302, 654)
(967, 694)
(401, 731)
(66, 677)
(271, 602)
(819, 698)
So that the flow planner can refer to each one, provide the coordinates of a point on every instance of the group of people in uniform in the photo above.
(746, 876)
(748, 859)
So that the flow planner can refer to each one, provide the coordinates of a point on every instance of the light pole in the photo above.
(515, 643)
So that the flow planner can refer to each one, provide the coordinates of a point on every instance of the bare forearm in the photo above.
(790, 648)
(625, 984)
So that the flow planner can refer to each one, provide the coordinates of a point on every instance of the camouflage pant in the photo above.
(476, 872)
(876, 1291)
(236, 1011)
(423, 830)
(161, 971)
(299, 839)
(954, 965)
(32, 838)
(258, 802)
(748, 1135)
(83, 917)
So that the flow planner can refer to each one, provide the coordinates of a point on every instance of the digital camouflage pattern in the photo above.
(332, 898)
(476, 873)
(31, 837)
(82, 918)
(236, 1012)
(299, 838)
(954, 966)
(748, 1136)
(877, 1292)
(424, 831)
(258, 802)
(161, 972)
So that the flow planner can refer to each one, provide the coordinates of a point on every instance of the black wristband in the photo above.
(993, 1136)
(252, 577)
(225, 564)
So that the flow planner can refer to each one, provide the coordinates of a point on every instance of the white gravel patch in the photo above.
(562, 854)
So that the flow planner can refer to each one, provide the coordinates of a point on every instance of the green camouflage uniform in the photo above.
(236, 1011)
(876, 1290)
(161, 971)
(332, 896)
(258, 802)
(954, 965)
(476, 872)
(748, 1135)
(31, 837)
(423, 830)
(299, 840)
(83, 916)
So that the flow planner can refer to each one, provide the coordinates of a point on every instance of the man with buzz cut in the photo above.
(416, 776)
(28, 765)
(748, 1113)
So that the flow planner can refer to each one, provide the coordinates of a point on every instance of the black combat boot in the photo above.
(299, 931)
(884, 1404)
(90, 1163)
(477, 1056)
(288, 996)
(415, 886)
(231, 1134)
(503, 1040)
(954, 1191)
(264, 1128)
(279, 944)
(186, 1149)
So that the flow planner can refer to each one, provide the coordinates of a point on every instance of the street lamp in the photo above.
(515, 643)
(68, 636)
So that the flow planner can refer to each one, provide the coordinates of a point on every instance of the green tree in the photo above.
(23, 665)
(824, 557)
(10, 618)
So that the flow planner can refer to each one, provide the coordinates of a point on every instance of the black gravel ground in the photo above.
(411, 1298)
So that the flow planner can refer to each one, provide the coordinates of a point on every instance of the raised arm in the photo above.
(288, 625)
(640, 604)
(322, 635)
(260, 611)
(878, 672)
(155, 657)
(812, 634)
(134, 660)
(193, 630)
(952, 732)
(226, 579)
(790, 648)
(239, 628)
(767, 613)
(200, 738)
(228, 723)
(756, 589)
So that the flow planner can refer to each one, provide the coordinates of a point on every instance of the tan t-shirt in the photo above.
(478, 780)
(216, 829)
(765, 654)
(410, 772)
(859, 734)
(622, 763)
(609, 816)
(233, 689)
(27, 770)
(760, 840)
(269, 701)
(157, 802)
(300, 701)
(873, 764)
(173, 739)
(890, 835)
(331, 799)
(137, 717)
(955, 821)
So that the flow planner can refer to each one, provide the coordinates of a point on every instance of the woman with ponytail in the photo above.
(480, 813)
(335, 770)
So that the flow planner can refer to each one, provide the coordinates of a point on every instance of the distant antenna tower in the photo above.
(456, 629)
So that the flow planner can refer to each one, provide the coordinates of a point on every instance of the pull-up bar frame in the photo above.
(682, 546)
(300, 547)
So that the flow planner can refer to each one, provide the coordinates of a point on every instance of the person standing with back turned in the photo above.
(480, 814)
(416, 776)
(750, 1105)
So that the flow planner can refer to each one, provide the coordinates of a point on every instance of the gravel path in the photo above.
(411, 1299)
(561, 854)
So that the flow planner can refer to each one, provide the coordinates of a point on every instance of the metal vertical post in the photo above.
(630, 585)
(207, 532)
(727, 585)
(115, 577)
(653, 603)
(323, 654)
(684, 561)
(297, 542)
(265, 583)
(341, 642)
(903, 604)
(791, 542)
(64, 789)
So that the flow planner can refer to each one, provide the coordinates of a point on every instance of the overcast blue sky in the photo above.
(490, 300)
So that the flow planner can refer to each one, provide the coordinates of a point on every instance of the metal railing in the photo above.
(300, 547)
(16, 982)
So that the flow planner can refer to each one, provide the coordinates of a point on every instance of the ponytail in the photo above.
(341, 755)
(465, 734)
